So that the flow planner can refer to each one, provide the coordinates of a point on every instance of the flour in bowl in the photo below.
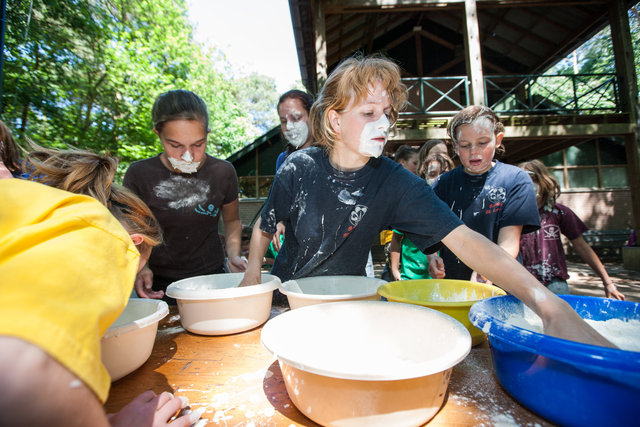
(460, 296)
(625, 334)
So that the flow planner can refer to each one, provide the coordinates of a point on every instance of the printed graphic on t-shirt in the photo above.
(210, 210)
(182, 192)
(545, 270)
(550, 232)
(357, 214)
(496, 194)
(496, 197)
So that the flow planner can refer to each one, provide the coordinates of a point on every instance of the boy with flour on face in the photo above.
(335, 199)
(495, 199)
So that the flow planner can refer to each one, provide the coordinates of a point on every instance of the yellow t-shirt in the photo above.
(385, 236)
(67, 268)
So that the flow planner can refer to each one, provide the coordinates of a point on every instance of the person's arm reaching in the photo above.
(143, 283)
(501, 268)
(280, 228)
(257, 249)
(394, 255)
(587, 254)
(436, 266)
(233, 236)
(509, 240)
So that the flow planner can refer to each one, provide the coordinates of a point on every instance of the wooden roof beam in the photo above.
(528, 33)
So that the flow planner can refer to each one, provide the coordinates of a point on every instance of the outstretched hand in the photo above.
(436, 267)
(237, 264)
(156, 411)
(611, 291)
(565, 323)
(250, 279)
(476, 277)
(143, 283)
(277, 244)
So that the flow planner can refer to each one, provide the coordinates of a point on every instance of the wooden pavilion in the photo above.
(455, 53)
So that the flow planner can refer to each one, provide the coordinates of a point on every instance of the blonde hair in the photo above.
(547, 182)
(85, 172)
(350, 83)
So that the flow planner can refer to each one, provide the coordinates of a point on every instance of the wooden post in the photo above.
(321, 44)
(625, 69)
(473, 54)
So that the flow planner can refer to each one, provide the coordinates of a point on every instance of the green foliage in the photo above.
(596, 55)
(86, 73)
(258, 96)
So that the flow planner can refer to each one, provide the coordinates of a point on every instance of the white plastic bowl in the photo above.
(323, 289)
(370, 363)
(215, 305)
(128, 342)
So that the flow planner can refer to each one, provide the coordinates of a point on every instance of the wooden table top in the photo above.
(240, 383)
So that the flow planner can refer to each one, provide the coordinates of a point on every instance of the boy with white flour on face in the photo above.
(188, 191)
(336, 198)
(493, 198)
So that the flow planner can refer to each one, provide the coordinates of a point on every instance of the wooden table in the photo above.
(240, 383)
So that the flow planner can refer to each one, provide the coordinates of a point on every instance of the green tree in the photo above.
(86, 73)
(258, 96)
(596, 55)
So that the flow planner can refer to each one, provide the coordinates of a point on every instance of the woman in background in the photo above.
(293, 111)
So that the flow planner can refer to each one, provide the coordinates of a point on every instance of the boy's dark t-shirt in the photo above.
(188, 207)
(501, 197)
(332, 217)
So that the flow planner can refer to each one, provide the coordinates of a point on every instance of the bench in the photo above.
(606, 243)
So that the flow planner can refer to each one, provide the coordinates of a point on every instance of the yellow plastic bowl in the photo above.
(452, 297)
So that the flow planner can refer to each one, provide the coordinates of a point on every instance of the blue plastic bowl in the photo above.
(566, 382)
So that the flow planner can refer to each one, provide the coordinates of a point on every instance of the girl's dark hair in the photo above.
(404, 152)
(85, 172)
(9, 151)
(305, 99)
(179, 105)
(547, 182)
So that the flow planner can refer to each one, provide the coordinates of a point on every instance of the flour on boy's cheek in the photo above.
(374, 136)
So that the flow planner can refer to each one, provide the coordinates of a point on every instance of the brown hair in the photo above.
(547, 182)
(472, 115)
(85, 172)
(350, 83)
(404, 152)
(179, 105)
(423, 153)
(9, 149)
(446, 164)
(305, 99)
